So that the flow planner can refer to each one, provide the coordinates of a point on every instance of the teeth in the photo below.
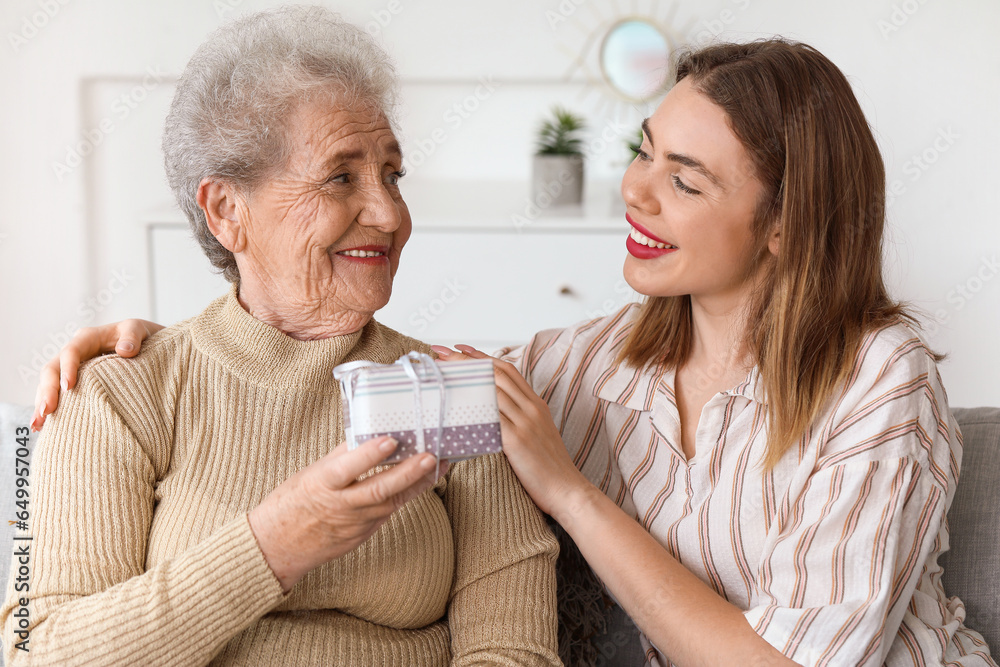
(639, 237)
(361, 253)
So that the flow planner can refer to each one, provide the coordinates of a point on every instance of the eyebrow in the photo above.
(395, 149)
(685, 160)
(344, 156)
(358, 154)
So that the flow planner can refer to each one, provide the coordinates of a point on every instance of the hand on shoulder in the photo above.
(124, 338)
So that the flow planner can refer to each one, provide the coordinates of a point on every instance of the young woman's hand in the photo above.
(531, 440)
(123, 337)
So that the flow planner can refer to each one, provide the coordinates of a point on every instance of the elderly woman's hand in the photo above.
(323, 511)
(124, 337)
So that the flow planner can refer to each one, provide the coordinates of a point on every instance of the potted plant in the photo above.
(557, 175)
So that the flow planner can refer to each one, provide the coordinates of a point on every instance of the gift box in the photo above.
(448, 409)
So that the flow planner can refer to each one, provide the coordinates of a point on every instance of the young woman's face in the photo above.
(690, 196)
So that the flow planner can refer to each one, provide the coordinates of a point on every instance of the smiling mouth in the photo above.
(642, 239)
(643, 236)
(361, 253)
(364, 252)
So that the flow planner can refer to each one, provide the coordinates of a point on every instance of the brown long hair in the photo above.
(824, 187)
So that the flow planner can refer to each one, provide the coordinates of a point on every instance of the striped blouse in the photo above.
(833, 553)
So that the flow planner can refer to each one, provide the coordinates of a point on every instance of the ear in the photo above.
(774, 238)
(222, 212)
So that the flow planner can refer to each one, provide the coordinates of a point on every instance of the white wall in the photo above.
(928, 75)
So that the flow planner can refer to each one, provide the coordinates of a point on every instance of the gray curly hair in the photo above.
(227, 117)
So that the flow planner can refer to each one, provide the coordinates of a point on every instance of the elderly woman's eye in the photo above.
(394, 177)
(339, 178)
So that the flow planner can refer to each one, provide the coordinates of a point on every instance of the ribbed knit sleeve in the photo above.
(503, 605)
(92, 600)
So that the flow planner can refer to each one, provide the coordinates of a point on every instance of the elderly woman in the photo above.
(191, 507)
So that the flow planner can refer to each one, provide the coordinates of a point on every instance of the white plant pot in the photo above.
(557, 181)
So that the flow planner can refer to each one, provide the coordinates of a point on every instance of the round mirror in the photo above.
(635, 59)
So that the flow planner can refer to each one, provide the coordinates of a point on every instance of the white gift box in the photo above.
(448, 409)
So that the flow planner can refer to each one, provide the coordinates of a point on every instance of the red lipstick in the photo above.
(645, 232)
(641, 250)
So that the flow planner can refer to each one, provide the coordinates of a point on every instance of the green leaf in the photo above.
(559, 135)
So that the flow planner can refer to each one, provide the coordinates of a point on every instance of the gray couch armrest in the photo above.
(972, 566)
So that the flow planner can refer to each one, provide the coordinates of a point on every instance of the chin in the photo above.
(641, 279)
(375, 307)
(648, 285)
(378, 299)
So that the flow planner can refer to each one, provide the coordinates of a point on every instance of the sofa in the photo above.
(971, 568)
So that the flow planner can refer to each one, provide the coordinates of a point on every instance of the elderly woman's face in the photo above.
(325, 233)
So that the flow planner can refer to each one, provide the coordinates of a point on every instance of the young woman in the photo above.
(758, 461)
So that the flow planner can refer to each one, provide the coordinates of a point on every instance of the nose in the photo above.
(379, 209)
(638, 190)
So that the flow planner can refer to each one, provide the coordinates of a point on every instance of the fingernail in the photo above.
(441, 350)
(387, 445)
(428, 462)
(127, 346)
(464, 347)
(64, 383)
(41, 410)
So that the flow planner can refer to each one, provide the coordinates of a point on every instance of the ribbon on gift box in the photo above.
(411, 363)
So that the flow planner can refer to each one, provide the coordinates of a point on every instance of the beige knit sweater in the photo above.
(142, 552)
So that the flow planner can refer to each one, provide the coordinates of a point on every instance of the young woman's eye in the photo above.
(684, 188)
(642, 155)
